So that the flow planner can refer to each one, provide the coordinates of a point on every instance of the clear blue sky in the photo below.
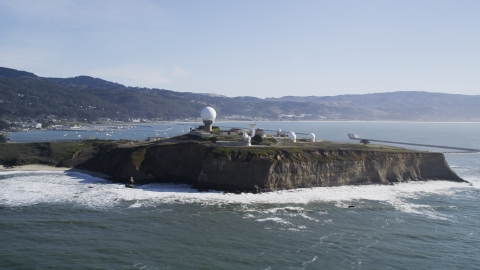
(255, 48)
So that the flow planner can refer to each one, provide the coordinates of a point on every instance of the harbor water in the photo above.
(70, 220)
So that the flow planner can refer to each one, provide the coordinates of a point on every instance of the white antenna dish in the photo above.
(253, 125)
(208, 113)
(292, 136)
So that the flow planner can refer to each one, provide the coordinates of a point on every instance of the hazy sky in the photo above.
(255, 48)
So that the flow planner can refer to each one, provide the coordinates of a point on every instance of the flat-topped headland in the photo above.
(253, 169)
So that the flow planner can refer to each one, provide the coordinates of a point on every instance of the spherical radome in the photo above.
(311, 137)
(292, 136)
(208, 113)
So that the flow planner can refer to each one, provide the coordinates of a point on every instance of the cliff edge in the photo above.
(266, 169)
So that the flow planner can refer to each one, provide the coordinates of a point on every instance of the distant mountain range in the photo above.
(24, 94)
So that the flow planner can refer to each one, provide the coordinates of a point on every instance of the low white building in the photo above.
(233, 131)
(154, 139)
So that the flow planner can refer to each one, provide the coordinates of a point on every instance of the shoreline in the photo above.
(47, 168)
(32, 168)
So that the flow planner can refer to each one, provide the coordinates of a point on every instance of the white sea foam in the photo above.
(276, 220)
(28, 188)
(474, 181)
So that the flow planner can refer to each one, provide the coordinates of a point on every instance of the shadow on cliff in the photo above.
(95, 178)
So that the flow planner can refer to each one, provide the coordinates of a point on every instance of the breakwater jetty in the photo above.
(463, 150)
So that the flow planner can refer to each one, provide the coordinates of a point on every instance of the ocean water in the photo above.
(56, 220)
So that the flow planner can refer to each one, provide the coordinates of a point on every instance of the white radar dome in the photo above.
(311, 137)
(208, 113)
(292, 136)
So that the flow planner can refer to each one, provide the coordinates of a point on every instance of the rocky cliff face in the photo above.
(267, 169)
(321, 168)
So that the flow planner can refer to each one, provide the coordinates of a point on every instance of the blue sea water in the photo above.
(57, 220)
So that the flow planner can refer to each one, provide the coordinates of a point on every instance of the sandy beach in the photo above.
(34, 167)
(39, 167)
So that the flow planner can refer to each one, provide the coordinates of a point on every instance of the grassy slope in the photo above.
(73, 153)
(44, 153)
(306, 151)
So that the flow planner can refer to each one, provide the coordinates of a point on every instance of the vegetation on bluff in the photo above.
(319, 151)
(69, 154)
(138, 156)
(13, 154)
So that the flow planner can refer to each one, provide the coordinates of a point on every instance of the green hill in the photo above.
(23, 94)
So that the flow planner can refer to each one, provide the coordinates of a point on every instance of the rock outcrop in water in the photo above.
(267, 169)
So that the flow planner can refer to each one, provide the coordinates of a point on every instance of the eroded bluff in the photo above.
(267, 169)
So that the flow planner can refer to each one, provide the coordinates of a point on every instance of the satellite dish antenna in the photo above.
(292, 136)
(253, 126)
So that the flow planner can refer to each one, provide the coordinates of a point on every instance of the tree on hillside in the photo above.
(257, 138)
(365, 142)
(2, 139)
(4, 125)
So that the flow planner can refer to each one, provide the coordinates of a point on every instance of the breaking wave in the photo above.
(30, 188)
